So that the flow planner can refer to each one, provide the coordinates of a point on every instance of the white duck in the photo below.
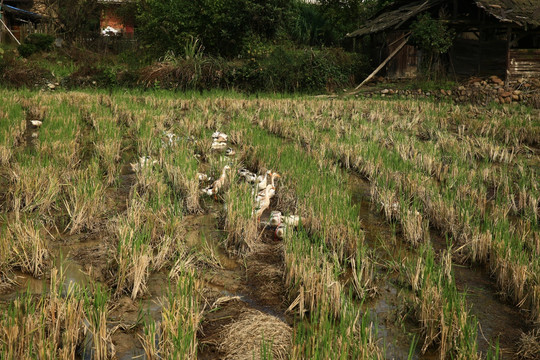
(275, 218)
(144, 161)
(219, 137)
(291, 220)
(171, 139)
(272, 178)
(262, 181)
(218, 184)
(262, 193)
(203, 177)
(281, 230)
(264, 203)
(217, 145)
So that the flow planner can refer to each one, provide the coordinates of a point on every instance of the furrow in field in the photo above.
(496, 319)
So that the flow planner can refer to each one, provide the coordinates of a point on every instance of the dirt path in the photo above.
(257, 287)
(253, 283)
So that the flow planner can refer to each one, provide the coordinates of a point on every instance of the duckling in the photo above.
(36, 123)
(218, 184)
(216, 145)
(275, 218)
(281, 230)
(230, 152)
(263, 204)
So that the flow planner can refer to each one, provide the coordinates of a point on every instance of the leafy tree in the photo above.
(307, 25)
(78, 19)
(434, 38)
(223, 26)
(327, 21)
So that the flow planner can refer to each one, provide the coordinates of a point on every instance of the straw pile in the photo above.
(243, 339)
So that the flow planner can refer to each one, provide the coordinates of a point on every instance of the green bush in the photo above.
(434, 38)
(36, 43)
(43, 42)
(305, 70)
(26, 49)
(222, 26)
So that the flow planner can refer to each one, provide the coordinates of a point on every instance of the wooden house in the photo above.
(18, 20)
(493, 37)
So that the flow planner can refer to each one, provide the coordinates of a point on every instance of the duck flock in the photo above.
(264, 187)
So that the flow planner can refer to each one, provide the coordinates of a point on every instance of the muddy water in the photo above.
(388, 305)
(497, 320)
(72, 271)
(202, 231)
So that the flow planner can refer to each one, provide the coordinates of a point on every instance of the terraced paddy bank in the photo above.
(132, 226)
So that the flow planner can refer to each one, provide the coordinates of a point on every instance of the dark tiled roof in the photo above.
(520, 12)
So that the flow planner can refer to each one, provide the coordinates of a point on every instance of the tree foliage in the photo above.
(431, 35)
(435, 39)
(326, 22)
(78, 19)
(223, 26)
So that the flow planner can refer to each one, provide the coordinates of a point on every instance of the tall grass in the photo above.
(175, 337)
(50, 326)
(96, 308)
(28, 250)
(84, 199)
(240, 224)
(12, 127)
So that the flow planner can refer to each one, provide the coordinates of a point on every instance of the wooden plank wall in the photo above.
(523, 64)
(405, 63)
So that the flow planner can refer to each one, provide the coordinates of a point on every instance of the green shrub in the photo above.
(431, 35)
(26, 50)
(222, 26)
(434, 38)
(305, 70)
(43, 42)
(36, 43)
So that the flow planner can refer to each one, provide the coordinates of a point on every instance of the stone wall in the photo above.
(475, 90)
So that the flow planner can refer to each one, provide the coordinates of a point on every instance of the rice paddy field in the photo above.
(182, 226)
